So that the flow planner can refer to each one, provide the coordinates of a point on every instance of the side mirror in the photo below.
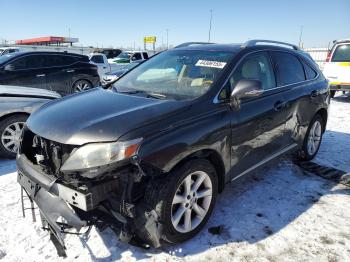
(9, 67)
(245, 88)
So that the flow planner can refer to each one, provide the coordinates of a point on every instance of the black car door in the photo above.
(302, 94)
(60, 73)
(258, 126)
(25, 71)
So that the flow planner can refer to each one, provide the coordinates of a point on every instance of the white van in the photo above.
(337, 66)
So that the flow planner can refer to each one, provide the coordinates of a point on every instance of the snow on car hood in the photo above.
(97, 116)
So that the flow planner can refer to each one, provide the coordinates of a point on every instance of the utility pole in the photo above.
(301, 34)
(167, 39)
(69, 36)
(211, 18)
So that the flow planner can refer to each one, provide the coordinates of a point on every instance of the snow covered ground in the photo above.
(278, 213)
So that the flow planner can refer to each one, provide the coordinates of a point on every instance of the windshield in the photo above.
(341, 54)
(5, 58)
(180, 74)
(124, 55)
(130, 66)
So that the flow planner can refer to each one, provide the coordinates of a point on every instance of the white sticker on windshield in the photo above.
(207, 63)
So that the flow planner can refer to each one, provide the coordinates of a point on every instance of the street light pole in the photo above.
(211, 17)
(167, 39)
(301, 34)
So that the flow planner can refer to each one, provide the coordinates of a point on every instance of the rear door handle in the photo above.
(279, 105)
(70, 71)
(42, 75)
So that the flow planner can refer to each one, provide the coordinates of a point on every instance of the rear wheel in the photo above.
(81, 85)
(313, 138)
(10, 133)
(184, 200)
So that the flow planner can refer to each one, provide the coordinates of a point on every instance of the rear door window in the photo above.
(68, 60)
(145, 55)
(310, 73)
(55, 60)
(288, 68)
(341, 54)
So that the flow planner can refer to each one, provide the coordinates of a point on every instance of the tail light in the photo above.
(328, 59)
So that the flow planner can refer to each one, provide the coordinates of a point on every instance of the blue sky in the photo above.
(123, 23)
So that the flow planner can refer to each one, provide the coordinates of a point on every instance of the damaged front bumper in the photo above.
(62, 207)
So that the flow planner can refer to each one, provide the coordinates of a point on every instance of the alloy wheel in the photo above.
(191, 201)
(10, 137)
(314, 138)
(81, 85)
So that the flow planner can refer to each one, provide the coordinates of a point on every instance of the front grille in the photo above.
(49, 155)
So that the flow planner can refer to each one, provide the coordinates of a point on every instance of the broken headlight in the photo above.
(99, 154)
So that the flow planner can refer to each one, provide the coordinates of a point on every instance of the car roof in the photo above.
(233, 47)
(5, 48)
(46, 53)
(212, 47)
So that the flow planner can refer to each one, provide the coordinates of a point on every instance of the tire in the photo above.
(81, 85)
(161, 194)
(314, 135)
(332, 92)
(10, 131)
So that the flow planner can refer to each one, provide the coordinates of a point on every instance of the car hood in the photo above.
(98, 115)
(27, 92)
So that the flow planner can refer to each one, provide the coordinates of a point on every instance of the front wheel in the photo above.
(81, 85)
(185, 199)
(313, 138)
(10, 133)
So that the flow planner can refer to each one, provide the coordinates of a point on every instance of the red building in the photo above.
(48, 40)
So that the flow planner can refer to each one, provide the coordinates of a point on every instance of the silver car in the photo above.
(16, 104)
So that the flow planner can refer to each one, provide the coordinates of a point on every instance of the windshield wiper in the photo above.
(148, 94)
(156, 95)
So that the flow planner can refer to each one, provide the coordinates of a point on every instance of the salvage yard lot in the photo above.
(278, 213)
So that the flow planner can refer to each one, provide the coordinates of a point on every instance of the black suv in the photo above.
(64, 73)
(151, 158)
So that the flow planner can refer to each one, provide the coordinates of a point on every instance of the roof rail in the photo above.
(341, 41)
(192, 44)
(256, 41)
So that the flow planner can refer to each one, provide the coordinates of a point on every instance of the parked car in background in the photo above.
(337, 66)
(114, 75)
(126, 57)
(16, 104)
(8, 50)
(110, 53)
(150, 159)
(64, 73)
(104, 66)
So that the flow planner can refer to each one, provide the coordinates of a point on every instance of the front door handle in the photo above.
(41, 75)
(279, 105)
(70, 71)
